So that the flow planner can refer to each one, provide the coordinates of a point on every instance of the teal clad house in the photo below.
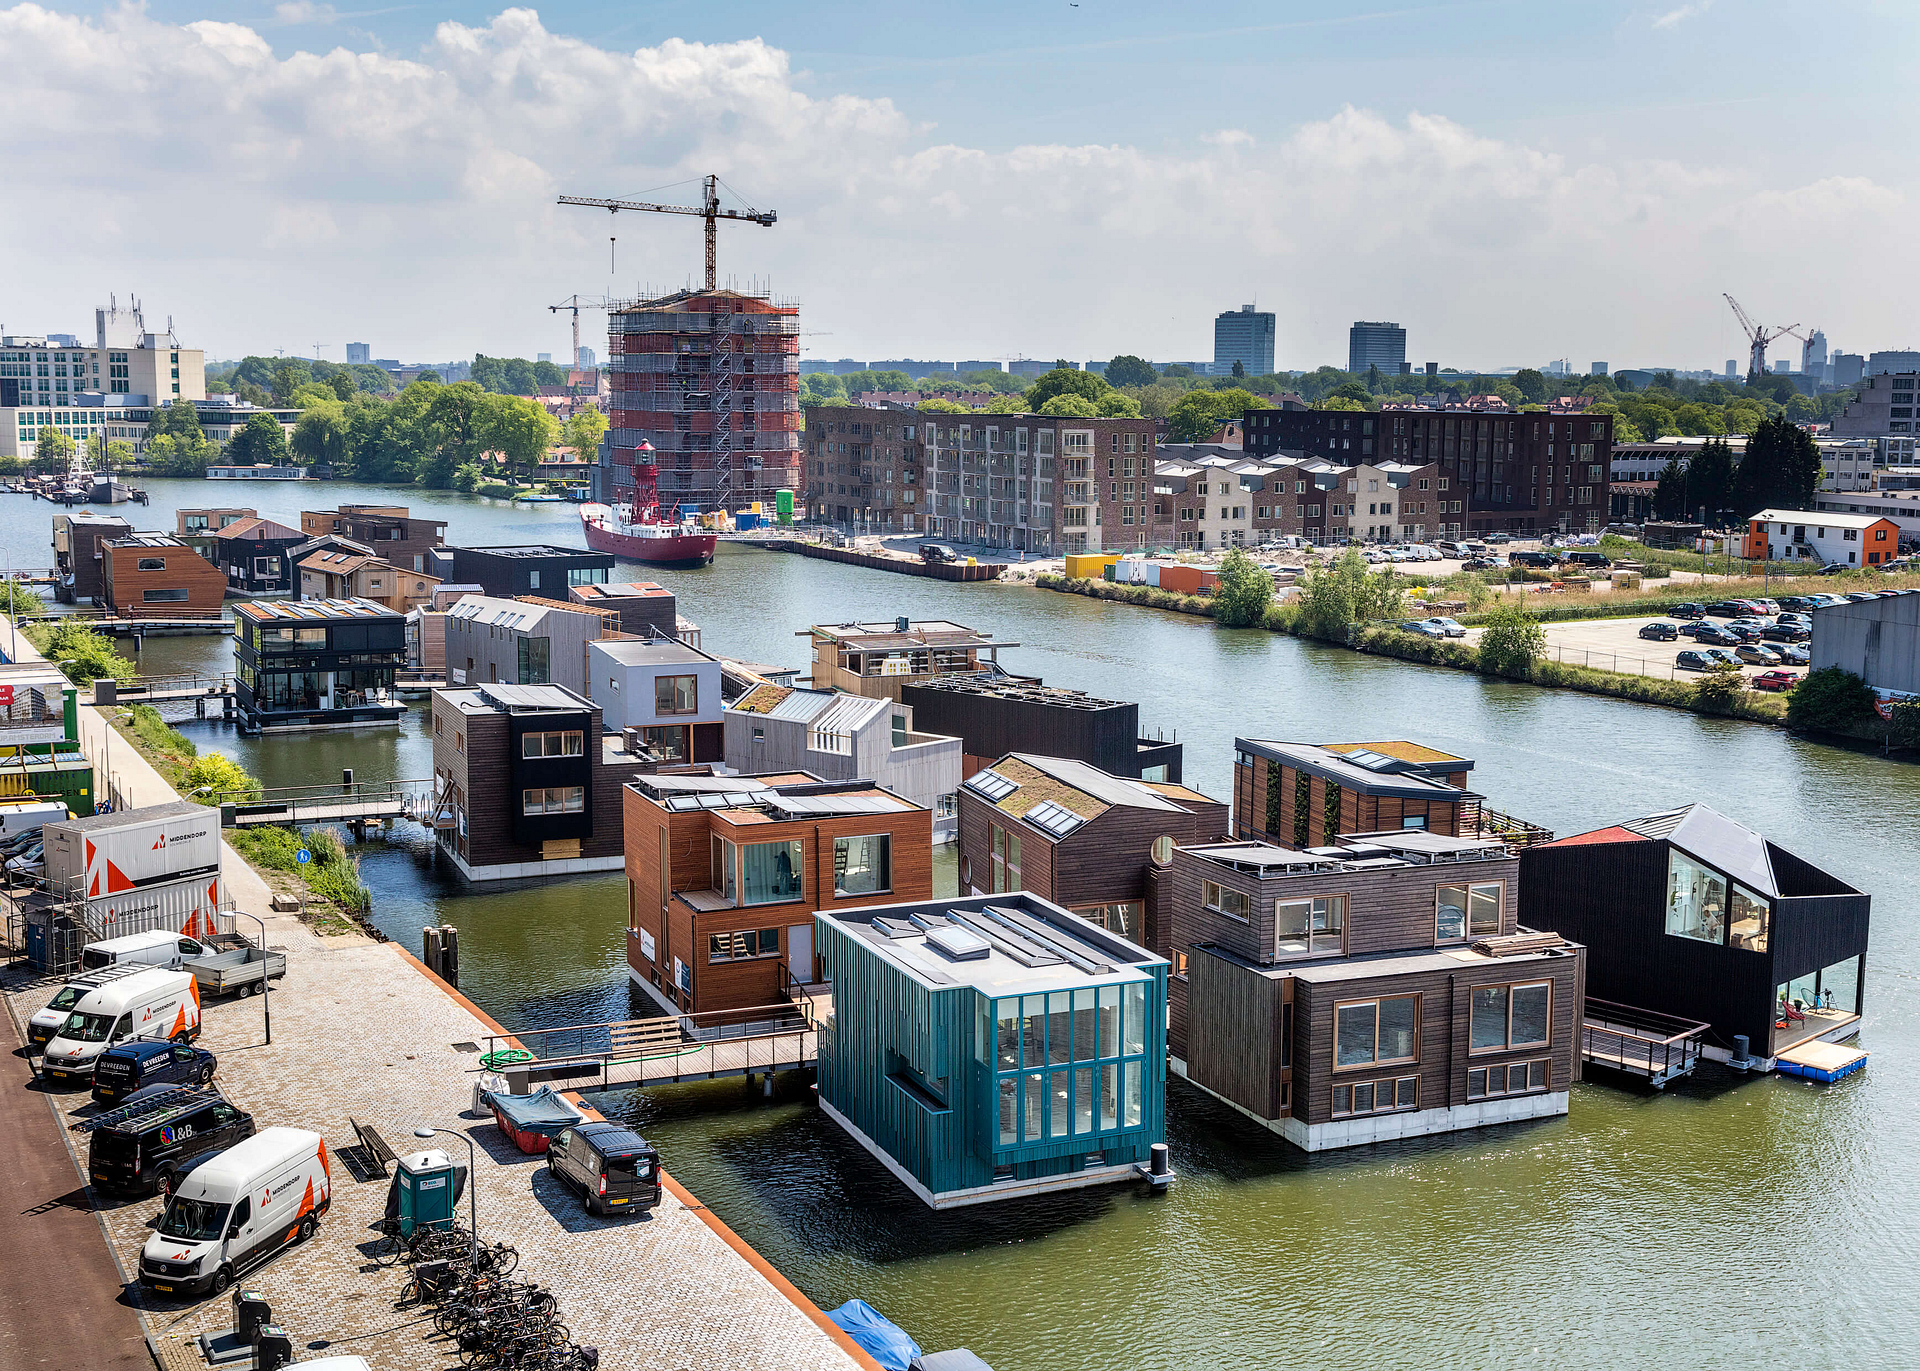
(992, 1047)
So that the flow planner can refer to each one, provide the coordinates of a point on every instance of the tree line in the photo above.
(1780, 469)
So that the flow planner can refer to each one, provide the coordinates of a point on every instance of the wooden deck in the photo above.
(1820, 1061)
(1658, 1048)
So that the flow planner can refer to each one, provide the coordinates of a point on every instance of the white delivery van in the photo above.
(26, 816)
(46, 1022)
(155, 1003)
(155, 948)
(235, 1211)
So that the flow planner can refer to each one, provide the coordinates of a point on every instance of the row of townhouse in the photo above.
(1220, 497)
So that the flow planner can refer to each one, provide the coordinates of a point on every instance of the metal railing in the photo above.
(1641, 1041)
(727, 1042)
(345, 801)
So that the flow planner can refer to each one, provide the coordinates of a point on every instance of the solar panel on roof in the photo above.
(991, 784)
(1053, 818)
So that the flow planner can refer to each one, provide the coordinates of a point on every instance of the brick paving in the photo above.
(360, 1031)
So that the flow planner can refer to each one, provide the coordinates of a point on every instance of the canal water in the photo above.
(1729, 1223)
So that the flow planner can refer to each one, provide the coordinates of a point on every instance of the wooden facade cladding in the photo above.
(193, 586)
(1277, 818)
(669, 854)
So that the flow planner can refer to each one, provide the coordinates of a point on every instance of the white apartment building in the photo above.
(1849, 463)
(84, 391)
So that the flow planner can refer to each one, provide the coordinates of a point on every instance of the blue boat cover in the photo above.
(886, 1342)
(542, 1112)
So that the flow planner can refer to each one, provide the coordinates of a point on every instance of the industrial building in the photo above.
(1877, 640)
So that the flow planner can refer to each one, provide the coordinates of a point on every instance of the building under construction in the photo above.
(711, 380)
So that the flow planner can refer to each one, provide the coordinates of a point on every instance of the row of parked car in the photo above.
(127, 1024)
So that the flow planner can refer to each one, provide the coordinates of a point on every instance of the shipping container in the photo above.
(1136, 571)
(119, 853)
(1187, 580)
(1089, 566)
(191, 907)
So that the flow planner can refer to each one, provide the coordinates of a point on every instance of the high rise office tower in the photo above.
(1382, 345)
(1244, 336)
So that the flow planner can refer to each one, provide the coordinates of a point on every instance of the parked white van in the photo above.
(155, 948)
(46, 1022)
(230, 1214)
(26, 816)
(152, 1003)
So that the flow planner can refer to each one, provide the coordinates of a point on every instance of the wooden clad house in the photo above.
(725, 872)
(992, 1047)
(1077, 836)
(389, 531)
(79, 564)
(157, 576)
(877, 659)
(255, 554)
(1380, 987)
(1689, 914)
(1305, 794)
(525, 782)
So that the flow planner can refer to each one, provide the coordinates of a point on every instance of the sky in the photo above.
(1512, 180)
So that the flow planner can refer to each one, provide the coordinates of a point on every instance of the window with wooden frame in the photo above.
(1309, 928)
(1515, 1078)
(740, 947)
(1005, 859)
(1376, 1097)
(1467, 911)
(1501, 1017)
(1225, 900)
(1374, 1032)
(569, 742)
(676, 694)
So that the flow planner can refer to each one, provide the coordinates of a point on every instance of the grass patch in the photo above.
(332, 877)
(170, 751)
(1151, 596)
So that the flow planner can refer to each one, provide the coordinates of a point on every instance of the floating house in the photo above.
(992, 1047)
(157, 576)
(317, 663)
(1690, 915)
(877, 659)
(526, 569)
(994, 714)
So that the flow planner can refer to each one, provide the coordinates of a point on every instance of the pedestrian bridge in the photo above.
(632, 1053)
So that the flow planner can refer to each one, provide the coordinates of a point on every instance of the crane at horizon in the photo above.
(1758, 338)
(576, 303)
(708, 209)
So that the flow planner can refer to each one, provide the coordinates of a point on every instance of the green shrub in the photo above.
(1244, 592)
(1719, 687)
(221, 777)
(1831, 698)
(1513, 640)
(1903, 728)
(87, 654)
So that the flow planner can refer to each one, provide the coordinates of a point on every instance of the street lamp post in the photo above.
(266, 995)
(426, 1131)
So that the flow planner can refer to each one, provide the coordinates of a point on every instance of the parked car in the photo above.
(1539, 561)
(1660, 631)
(612, 1167)
(156, 948)
(1859, 595)
(1499, 537)
(1745, 632)
(1686, 611)
(1598, 561)
(150, 1139)
(1448, 627)
(937, 553)
(127, 1067)
(1729, 609)
(31, 864)
(1796, 654)
(1797, 603)
(1422, 628)
(1694, 661)
(1714, 636)
(237, 1211)
(1758, 654)
(1784, 633)
(1775, 680)
(1478, 564)
(1767, 607)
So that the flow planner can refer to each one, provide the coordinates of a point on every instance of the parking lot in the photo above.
(1616, 645)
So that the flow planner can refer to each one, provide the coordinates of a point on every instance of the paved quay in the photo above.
(362, 1031)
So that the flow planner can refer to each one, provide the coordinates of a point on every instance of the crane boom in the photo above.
(1758, 338)
(709, 210)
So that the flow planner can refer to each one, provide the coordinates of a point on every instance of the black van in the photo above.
(127, 1067)
(613, 1168)
(141, 1147)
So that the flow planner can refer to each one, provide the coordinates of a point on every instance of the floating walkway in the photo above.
(883, 561)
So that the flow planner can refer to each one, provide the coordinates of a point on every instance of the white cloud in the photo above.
(304, 12)
(266, 199)
(1684, 13)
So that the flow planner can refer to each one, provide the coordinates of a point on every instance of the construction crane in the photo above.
(709, 209)
(1758, 338)
(576, 303)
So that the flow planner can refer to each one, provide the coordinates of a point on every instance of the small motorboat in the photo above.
(532, 1120)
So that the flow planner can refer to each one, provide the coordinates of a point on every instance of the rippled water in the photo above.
(1729, 1223)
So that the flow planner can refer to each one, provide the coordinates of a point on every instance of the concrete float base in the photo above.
(520, 871)
(983, 1194)
(1374, 1128)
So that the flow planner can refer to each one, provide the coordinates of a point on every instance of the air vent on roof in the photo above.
(896, 928)
(1054, 818)
(991, 784)
(958, 944)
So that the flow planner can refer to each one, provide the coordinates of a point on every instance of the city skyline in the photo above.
(397, 182)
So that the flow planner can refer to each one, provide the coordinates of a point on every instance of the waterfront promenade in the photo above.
(362, 1031)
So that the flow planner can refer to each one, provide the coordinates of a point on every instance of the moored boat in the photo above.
(612, 528)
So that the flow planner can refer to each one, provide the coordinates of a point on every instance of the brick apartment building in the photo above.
(1019, 481)
(710, 379)
(1522, 472)
(1219, 497)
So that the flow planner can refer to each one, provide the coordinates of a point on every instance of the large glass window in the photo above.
(556, 799)
(1504, 1016)
(1060, 1061)
(535, 661)
(554, 743)
(1233, 903)
(676, 694)
(1366, 1032)
(1750, 915)
(1467, 911)
(770, 872)
(1309, 927)
(863, 865)
(1696, 900)
(1005, 859)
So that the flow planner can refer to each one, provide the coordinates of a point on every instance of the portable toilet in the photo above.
(783, 505)
(425, 1185)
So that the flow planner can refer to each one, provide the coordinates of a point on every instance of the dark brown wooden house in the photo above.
(79, 571)
(1305, 794)
(525, 782)
(156, 576)
(725, 873)
(1689, 914)
(1380, 987)
(1078, 836)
